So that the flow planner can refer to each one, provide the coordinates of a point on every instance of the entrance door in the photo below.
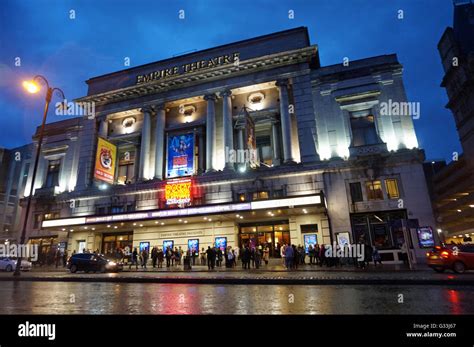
(271, 234)
(81, 246)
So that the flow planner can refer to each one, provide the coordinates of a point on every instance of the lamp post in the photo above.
(33, 87)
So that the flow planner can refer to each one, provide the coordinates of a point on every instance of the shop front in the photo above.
(273, 234)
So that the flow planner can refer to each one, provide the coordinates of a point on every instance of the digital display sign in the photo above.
(144, 245)
(221, 242)
(193, 245)
(168, 243)
(178, 192)
(310, 239)
(180, 151)
(425, 237)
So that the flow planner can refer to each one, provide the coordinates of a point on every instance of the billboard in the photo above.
(310, 239)
(105, 161)
(178, 192)
(221, 242)
(193, 246)
(166, 244)
(144, 245)
(425, 237)
(180, 155)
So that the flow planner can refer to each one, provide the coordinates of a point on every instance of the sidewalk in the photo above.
(388, 275)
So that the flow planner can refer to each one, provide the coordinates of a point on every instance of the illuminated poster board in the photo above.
(144, 245)
(168, 243)
(221, 242)
(105, 161)
(178, 192)
(310, 239)
(425, 237)
(193, 245)
(180, 155)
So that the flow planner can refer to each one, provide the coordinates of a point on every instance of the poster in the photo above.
(310, 239)
(221, 242)
(105, 161)
(180, 158)
(343, 239)
(144, 245)
(168, 243)
(193, 246)
(425, 237)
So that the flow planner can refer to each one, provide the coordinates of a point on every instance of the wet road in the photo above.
(136, 298)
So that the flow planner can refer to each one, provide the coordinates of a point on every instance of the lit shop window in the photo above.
(262, 195)
(52, 176)
(391, 185)
(374, 190)
(51, 215)
(126, 170)
(241, 197)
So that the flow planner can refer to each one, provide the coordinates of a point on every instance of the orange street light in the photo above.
(31, 86)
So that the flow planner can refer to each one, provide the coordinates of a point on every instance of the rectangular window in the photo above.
(36, 221)
(260, 195)
(363, 129)
(126, 170)
(391, 185)
(374, 190)
(356, 192)
(52, 176)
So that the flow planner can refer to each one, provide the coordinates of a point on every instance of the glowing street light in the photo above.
(33, 87)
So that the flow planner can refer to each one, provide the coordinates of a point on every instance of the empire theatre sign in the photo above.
(189, 67)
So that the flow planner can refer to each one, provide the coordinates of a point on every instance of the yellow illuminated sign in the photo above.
(105, 161)
(178, 192)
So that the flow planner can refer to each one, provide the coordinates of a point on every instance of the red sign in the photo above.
(178, 192)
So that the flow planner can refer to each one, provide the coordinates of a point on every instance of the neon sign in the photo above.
(178, 192)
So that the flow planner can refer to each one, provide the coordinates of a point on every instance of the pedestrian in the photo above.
(168, 256)
(311, 254)
(211, 258)
(246, 257)
(322, 255)
(229, 258)
(219, 257)
(57, 257)
(289, 254)
(154, 256)
(160, 255)
(134, 259)
(236, 252)
(368, 254)
(257, 258)
(180, 255)
(266, 254)
(65, 258)
(282, 254)
(144, 257)
(376, 256)
(203, 256)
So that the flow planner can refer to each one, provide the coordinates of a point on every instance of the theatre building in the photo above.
(252, 142)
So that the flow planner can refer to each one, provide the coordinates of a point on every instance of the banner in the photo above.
(180, 160)
(105, 161)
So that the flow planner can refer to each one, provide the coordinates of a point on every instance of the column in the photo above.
(276, 143)
(104, 128)
(228, 127)
(160, 140)
(145, 144)
(285, 121)
(210, 131)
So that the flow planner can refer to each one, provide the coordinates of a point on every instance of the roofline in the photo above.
(258, 38)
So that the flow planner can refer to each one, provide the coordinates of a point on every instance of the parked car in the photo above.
(9, 264)
(91, 262)
(458, 258)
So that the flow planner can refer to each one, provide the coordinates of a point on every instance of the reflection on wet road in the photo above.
(135, 298)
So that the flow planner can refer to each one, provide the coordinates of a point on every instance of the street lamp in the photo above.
(33, 87)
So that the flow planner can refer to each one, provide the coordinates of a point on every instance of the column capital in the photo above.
(211, 96)
(282, 83)
(225, 93)
(160, 106)
(147, 109)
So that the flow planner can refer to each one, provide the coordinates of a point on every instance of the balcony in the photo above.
(358, 151)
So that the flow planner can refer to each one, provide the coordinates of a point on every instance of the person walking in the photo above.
(282, 254)
(311, 254)
(160, 255)
(246, 257)
(144, 257)
(203, 257)
(257, 258)
(376, 256)
(154, 256)
(219, 257)
(168, 256)
(289, 254)
(134, 259)
(266, 254)
(211, 258)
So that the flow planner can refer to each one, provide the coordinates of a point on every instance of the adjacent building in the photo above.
(252, 142)
(454, 183)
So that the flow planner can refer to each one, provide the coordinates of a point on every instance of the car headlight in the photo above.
(111, 263)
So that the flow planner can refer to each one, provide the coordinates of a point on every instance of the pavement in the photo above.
(274, 273)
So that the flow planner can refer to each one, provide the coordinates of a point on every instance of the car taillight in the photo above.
(445, 254)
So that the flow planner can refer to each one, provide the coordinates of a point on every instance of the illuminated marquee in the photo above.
(178, 192)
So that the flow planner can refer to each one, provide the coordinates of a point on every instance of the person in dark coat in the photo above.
(211, 258)
(154, 256)
(134, 259)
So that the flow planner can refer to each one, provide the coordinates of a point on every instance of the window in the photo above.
(126, 170)
(52, 177)
(262, 195)
(374, 190)
(51, 215)
(264, 148)
(241, 197)
(278, 193)
(363, 129)
(356, 192)
(391, 185)
(36, 221)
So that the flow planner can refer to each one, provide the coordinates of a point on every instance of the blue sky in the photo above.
(105, 32)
